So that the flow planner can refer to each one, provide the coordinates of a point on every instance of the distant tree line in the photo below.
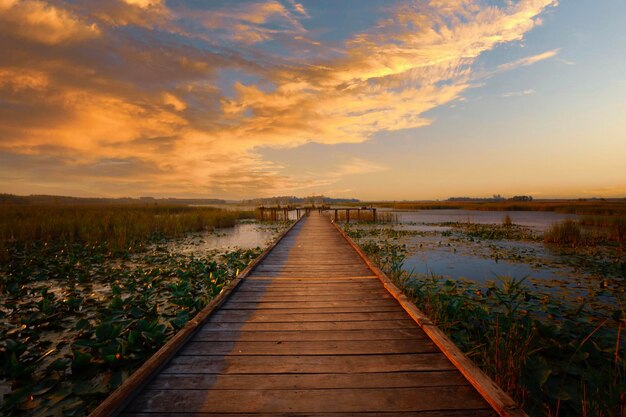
(495, 197)
(286, 200)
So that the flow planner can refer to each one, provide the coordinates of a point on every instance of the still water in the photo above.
(536, 220)
(247, 235)
(437, 248)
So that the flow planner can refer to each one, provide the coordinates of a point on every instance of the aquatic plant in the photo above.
(75, 324)
(506, 221)
(493, 231)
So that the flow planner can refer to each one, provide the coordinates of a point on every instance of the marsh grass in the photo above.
(612, 228)
(118, 228)
(554, 358)
(567, 233)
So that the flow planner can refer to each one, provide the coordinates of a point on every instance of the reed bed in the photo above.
(611, 227)
(119, 228)
(588, 231)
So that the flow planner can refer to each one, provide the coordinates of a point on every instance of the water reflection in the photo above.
(241, 236)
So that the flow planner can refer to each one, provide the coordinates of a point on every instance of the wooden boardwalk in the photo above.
(311, 331)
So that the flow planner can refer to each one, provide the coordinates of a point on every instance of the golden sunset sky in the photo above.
(349, 98)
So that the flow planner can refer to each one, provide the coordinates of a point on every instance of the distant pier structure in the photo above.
(359, 214)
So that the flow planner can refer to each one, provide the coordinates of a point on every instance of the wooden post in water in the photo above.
(336, 215)
(347, 215)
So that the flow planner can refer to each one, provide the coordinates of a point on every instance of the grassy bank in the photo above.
(554, 358)
(117, 228)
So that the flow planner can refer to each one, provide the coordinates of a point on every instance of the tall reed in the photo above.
(116, 227)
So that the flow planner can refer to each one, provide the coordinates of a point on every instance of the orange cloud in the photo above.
(39, 21)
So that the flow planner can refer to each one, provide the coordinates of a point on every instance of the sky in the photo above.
(377, 100)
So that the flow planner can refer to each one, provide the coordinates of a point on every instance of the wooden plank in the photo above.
(319, 280)
(246, 297)
(238, 316)
(318, 400)
(219, 335)
(298, 364)
(261, 305)
(303, 291)
(308, 381)
(317, 286)
(338, 347)
(406, 323)
(430, 413)
(327, 310)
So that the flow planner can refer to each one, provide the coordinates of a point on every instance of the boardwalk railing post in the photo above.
(374, 215)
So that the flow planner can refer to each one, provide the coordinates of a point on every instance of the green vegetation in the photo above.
(74, 326)
(493, 231)
(555, 358)
(83, 303)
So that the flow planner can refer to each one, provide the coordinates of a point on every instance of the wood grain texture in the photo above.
(303, 401)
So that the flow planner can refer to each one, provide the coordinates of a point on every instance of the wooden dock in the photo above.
(311, 329)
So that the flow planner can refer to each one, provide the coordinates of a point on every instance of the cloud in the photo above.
(250, 23)
(530, 60)
(519, 93)
(177, 98)
(39, 21)
(298, 7)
